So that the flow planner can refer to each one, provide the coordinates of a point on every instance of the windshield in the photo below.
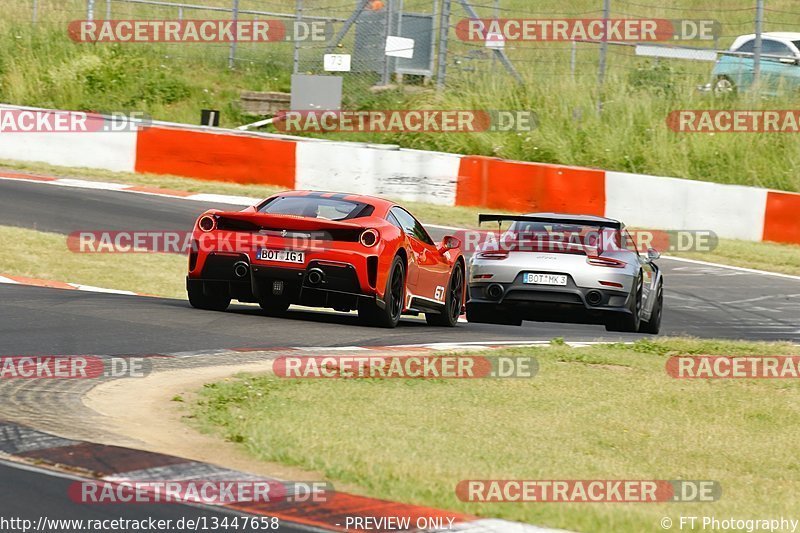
(584, 235)
(315, 207)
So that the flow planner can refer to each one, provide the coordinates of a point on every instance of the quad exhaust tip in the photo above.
(315, 276)
(495, 291)
(594, 297)
(241, 269)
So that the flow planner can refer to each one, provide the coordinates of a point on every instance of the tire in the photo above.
(274, 306)
(629, 323)
(723, 87)
(209, 296)
(453, 301)
(653, 326)
(488, 314)
(371, 314)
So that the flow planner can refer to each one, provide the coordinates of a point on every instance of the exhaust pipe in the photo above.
(315, 276)
(240, 269)
(594, 297)
(495, 291)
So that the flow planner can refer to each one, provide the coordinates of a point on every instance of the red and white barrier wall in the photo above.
(732, 211)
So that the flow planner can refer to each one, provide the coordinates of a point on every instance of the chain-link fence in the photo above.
(362, 29)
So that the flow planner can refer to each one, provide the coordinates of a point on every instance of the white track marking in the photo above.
(738, 269)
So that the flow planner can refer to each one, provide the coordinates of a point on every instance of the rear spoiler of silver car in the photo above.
(483, 217)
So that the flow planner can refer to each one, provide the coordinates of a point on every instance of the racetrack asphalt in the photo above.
(701, 300)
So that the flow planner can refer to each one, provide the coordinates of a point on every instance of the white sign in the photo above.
(337, 62)
(399, 47)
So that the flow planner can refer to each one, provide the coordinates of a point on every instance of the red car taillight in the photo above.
(596, 260)
(369, 237)
(495, 254)
(207, 223)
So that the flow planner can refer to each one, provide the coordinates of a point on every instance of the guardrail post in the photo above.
(232, 55)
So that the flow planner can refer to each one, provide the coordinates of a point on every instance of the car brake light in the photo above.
(483, 276)
(206, 223)
(497, 255)
(611, 284)
(369, 237)
(596, 260)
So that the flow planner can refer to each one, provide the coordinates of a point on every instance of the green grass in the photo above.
(37, 254)
(41, 66)
(603, 412)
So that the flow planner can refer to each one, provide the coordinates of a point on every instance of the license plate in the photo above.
(282, 256)
(545, 279)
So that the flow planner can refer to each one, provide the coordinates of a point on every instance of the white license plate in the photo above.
(545, 279)
(282, 256)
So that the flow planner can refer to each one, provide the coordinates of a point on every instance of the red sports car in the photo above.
(322, 249)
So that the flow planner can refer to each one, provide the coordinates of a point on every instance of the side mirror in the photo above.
(653, 254)
(449, 243)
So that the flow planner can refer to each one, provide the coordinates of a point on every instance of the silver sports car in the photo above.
(564, 268)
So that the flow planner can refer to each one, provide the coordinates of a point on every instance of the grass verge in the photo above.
(38, 254)
(602, 412)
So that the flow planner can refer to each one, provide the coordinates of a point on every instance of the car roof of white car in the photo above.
(786, 36)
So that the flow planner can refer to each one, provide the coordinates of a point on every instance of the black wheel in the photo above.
(209, 296)
(488, 314)
(629, 323)
(724, 87)
(453, 301)
(394, 298)
(274, 306)
(653, 326)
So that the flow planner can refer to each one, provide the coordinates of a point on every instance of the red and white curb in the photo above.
(52, 284)
(113, 464)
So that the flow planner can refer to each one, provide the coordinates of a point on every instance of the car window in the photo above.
(775, 48)
(411, 225)
(747, 47)
(314, 206)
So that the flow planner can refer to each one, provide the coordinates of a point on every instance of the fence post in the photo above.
(232, 55)
(34, 14)
(387, 61)
(573, 55)
(298, 17)
(757, 44)
(90, 10)
(444, 32)
(601, 69)
(108, 9)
